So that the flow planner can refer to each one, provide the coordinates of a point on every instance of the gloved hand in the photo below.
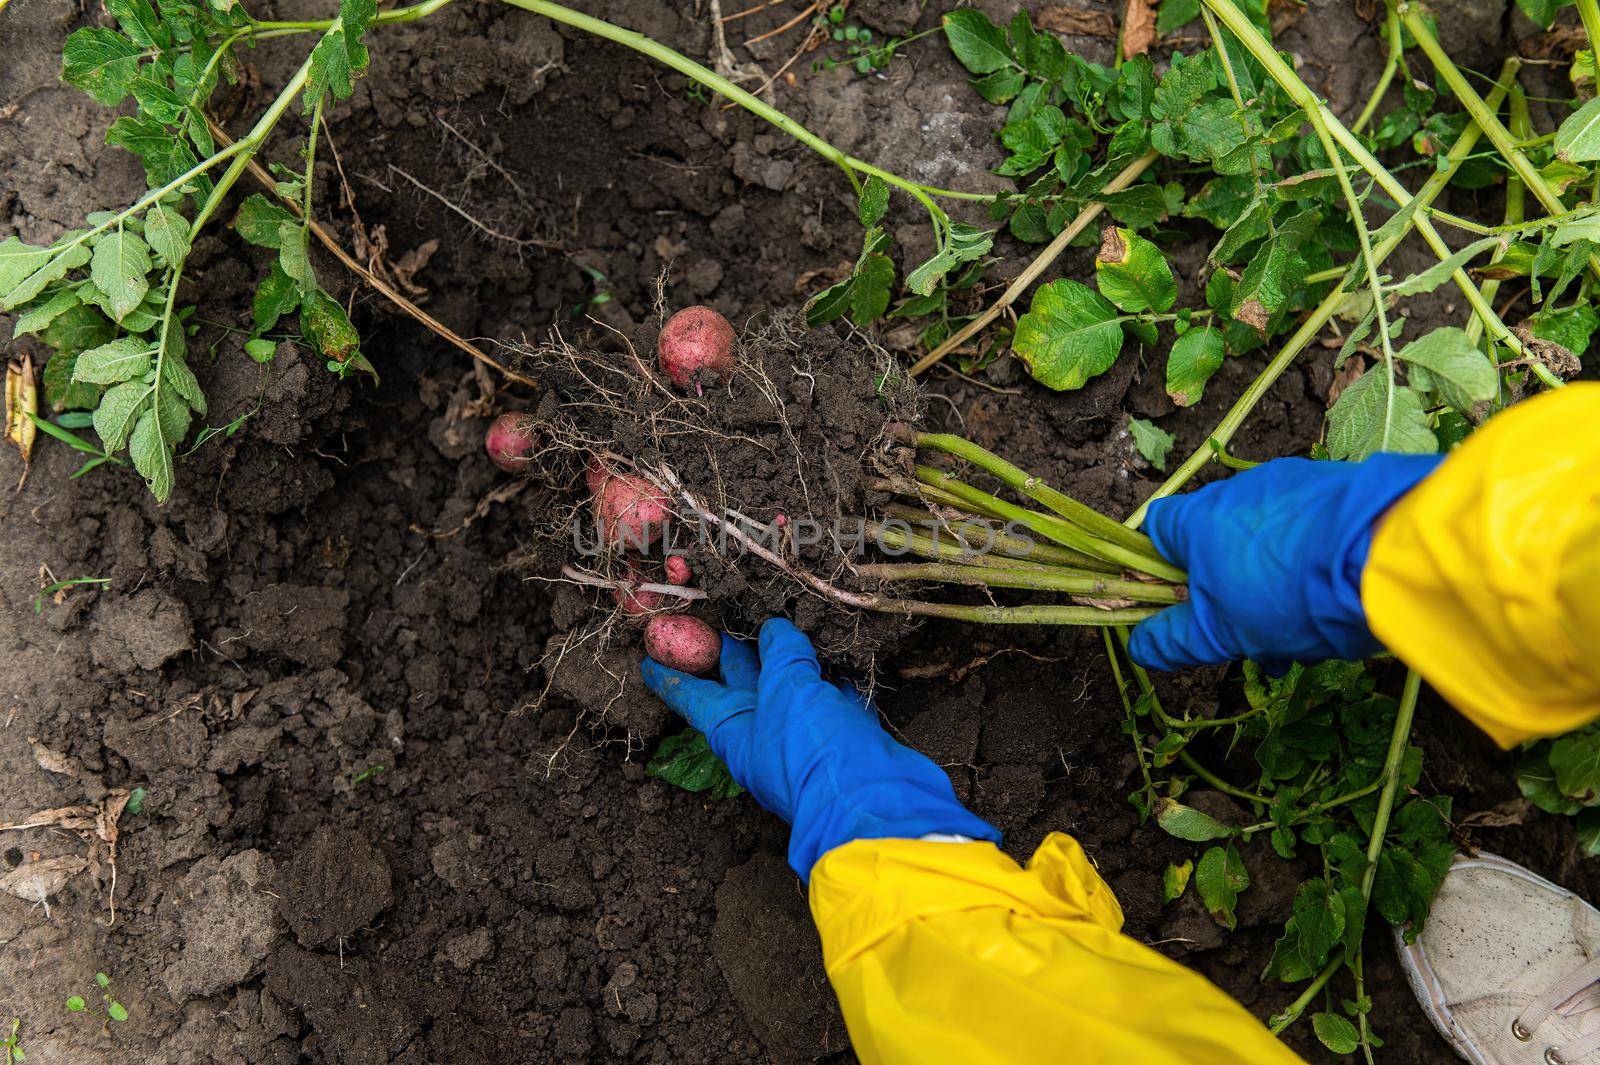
(812, 752)
(1274, 556)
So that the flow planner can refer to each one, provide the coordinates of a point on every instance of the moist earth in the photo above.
(364, 837)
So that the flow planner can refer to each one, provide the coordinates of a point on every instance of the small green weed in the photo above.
(11, 1045)
(55, 587)
(114, 1010)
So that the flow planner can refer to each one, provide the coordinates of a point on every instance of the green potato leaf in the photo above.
(1194, 357)
(1185, 822)
(874, 201)
(121, 360)
(687, 761)
(1578, 138)
(1220, 878)
(1132, 273)
(1371, 415)
(261, 222)
(1069, 334)
(1456, 368)
(1335, 1032)
(119, 269)
(1155, 444)
(978, 44)
(101, 62)
(26, 270)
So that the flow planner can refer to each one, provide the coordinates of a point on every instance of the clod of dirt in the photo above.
(140, 631)
(333, 886)
(767, 953)
(227, 922)
(301, 621)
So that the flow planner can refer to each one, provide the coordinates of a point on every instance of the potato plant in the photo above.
(1305, 212)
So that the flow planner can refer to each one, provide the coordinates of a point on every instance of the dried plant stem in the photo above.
(328, 241)
(1040, 264)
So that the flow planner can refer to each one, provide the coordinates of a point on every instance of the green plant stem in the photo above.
(1320, 316)
(1358, 218)
(242, 150)
(1589, 12)
(1485, 118)
(1037, 578)
(1050, 527)
(311, 164)
(1034, 488)
(952, 543)
(1391, 63)
(1292, 1012)
(1516, 204)
(1398, 738)
(1042, 614)
(1134, 732)
(384, 18)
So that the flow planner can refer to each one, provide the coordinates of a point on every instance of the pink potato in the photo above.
(678, 570)
(683, 643)
(630, 511)
(696, 348)
(508, 442)
(633, 600)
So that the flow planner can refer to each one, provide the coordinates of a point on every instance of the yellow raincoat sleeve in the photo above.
(953, 953)
(1485, 578)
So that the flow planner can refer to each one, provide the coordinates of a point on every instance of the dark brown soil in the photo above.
(358, 844)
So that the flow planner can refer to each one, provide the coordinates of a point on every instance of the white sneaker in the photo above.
(1507, 966)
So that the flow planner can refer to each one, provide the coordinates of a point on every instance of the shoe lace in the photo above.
(1565, 991)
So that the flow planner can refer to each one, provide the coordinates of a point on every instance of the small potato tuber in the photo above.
(696, 348)
(634, 600)
(681, 642)
(630, 511)
(678, 570)
(508, 442)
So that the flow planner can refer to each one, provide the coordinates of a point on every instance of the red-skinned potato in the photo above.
(678, 570)
(681, 642)
(630, 510)
(508, 442)
(696, 348)
(634, 600)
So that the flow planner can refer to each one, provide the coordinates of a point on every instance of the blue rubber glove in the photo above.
(811, 752)
(1274, 556)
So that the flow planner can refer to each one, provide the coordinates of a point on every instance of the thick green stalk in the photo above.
(998, 550)
(1051, 527)
(1038, 578)
(1589, 12)
(1045, 614)
(1034, 488)
(958, 533)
